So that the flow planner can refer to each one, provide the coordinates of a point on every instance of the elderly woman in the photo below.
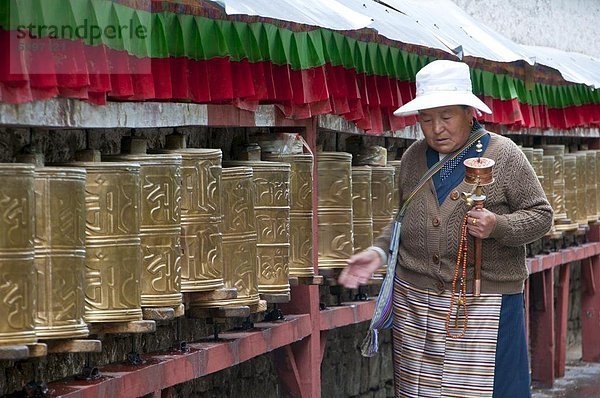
(445, 345)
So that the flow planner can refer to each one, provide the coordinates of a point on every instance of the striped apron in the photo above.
(428, 363)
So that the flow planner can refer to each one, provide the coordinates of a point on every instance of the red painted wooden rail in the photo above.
(164, 370)
(548, 317)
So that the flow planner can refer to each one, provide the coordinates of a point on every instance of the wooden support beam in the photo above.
(542, 328)
(324, 334)
(287, 369)
(73, 345)
(561, 320)
(163, 313)
(590, 309)
(144, 326)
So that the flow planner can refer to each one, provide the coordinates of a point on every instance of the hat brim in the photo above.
(437, 99)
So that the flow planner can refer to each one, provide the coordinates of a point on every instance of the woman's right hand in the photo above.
(360, 269)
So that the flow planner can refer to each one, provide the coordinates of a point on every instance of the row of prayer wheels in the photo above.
(107, 237)
(355, 203)
(571, 182)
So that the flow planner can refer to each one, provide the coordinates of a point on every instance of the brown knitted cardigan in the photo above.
(430, 232)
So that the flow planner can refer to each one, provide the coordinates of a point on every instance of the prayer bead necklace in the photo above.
(461, 292)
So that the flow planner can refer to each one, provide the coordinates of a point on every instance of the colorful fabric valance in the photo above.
(179, 52)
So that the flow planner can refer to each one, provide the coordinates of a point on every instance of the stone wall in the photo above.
(345, 373)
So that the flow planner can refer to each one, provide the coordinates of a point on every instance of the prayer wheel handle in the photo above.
(478, 172)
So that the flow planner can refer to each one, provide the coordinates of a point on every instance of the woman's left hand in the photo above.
(480, 222)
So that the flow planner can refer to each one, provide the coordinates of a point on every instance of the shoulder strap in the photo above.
(437, 167)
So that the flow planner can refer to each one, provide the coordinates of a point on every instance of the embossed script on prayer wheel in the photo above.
(538, 161)
(570, 162)
(382, 191)
(17, 254)
(548, 164)
(362, 210)
(240, 266)
(201, 218)
(558, 192)
(396, 164)
(334, 209)
(272, 210)
(590, 173)
(113, 254)
(160, 226)
(60, 252)
(582, 210)
(301, 180)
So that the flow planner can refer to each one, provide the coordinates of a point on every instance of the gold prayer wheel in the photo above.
(17, 289)
(240, 264)
(301, 180)
(570, 163)
(538, 161)
(335, 209)
(60, 252)
(396, 164)
(201, 216)
(382, 194)
(548, 164)
(272, 210)
(558, 193)
(528, 151)
(113, 251)
(582, 211)
(160, 224)
(591, 177)
(362, 210)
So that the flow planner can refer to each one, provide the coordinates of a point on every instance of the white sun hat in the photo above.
(442, 83)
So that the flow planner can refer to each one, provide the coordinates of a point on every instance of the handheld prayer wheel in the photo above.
(591, 177)
(17, 267)
(112, 238)
(201, 216)
(362, 211)
(301, 180)
(558, 192)
(272, 210)
(382, 192)
(60, 252)
(240, 265)
(396, 164)
(478, 172)
(582, 210)
(160, 223)
(335, 209)
(570, 163)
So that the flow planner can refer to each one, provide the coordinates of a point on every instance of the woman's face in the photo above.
(446, 128)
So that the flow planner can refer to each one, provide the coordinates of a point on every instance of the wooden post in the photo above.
(590, 303)
(305, 300)
(542, 327)
(562, 317)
